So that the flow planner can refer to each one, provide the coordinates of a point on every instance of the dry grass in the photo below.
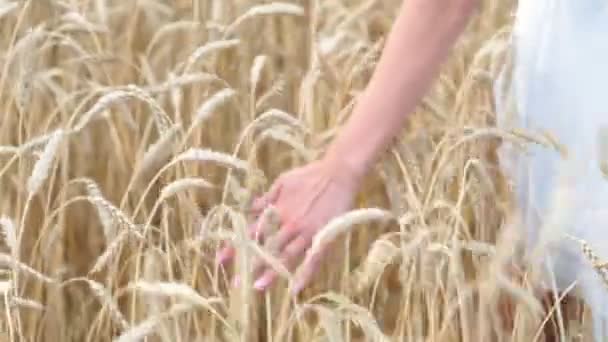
(134, 133)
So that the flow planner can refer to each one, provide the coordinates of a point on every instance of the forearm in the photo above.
(419, 42)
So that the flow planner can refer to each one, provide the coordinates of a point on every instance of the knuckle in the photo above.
(299, 247)
(287, 221)
(279, 210)
(290, 227)
(291, 251)
(288, 260)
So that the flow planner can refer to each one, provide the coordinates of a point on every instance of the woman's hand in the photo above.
(305, 199)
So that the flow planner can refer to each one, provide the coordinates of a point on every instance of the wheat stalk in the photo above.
(207, 49)
(9, 233)
(43, 165)
(145, 328)
(8, 260)
(276, 90)
(163, 122)
(210, 105)
(181, 81)
(600, 267)
(105, 298)
(383, 253)
(74, 21)
(205, 155)
(179, 291)
(161, 150)
(273, 8)
(26, 303)
(256, 71)
(112, 250)
(5, 287)
(7, 7)
(344, 223)
(173, 290)
(168, 29)
(108, 213)
(183, 184)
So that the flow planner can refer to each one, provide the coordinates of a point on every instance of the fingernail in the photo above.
(236, 281)
(222, 255)
(296, 289)
(261, 283)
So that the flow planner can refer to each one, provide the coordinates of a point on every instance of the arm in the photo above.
(419, 42)
(308, 197)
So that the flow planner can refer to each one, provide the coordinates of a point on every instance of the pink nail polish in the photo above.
(261, 284)
(236, 281)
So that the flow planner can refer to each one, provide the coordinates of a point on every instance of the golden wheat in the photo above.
(135, 135)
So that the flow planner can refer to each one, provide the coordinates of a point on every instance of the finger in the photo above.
(227, 253)
(274, 245)
(278, 241)
(290, 254)
(309, 269)
(266, 199)
(257, 232)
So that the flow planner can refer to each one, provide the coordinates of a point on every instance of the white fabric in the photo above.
(561, 87)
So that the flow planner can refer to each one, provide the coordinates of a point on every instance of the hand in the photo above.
(305, 199)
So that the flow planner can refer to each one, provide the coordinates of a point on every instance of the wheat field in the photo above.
(133, 135)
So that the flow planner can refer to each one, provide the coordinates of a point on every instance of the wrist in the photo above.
(346, 169)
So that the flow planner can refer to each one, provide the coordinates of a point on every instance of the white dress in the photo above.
(560, 86)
